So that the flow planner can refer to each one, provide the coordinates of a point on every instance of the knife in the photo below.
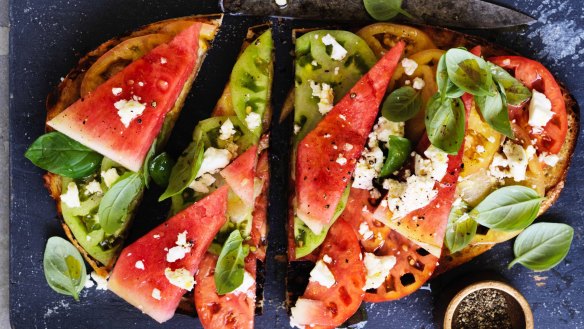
(468, 14)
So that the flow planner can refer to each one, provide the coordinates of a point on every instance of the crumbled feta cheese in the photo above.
(110, 176)
(549, 159)
(156, 236)
(88, 282)
(337, 70)
(491, 139)
(341, 160)
(214, 160)
(409, 66)
(253, 120)
(281, 3)
(322, 275)
(129, 110)
(378, 268)
(480, 149)
(434, 166)
(179, 251)
(163, 60)
(99, 280)
(296, 129)
(512, 163)
(93, 187)
(418, 84)
(181, 278)
(156, 294)
(139, 265)
(117, 91)
(540, 109)
(302, 311)
(327, 259)
(227, 130)
(338, 52)
(365, 231)
(314, 63)
(342, 117)
(348, 147)
(71, 197)
(415, 193)
(325, 94)
(201, 184)
(364, 176)
(248, 282)
(383, 129)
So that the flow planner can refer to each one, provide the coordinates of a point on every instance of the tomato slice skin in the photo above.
(339, 302)
(535, 76)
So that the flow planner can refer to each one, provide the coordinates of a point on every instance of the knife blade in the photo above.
(469, 14)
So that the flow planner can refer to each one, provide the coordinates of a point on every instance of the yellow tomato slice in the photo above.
(481, 142)
(382, 36)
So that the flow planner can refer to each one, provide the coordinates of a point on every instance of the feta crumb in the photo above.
(365, 231)
(419, 84)
(325, 94)
(93, 187)
(314, 63)
(415, 193)
(71, 197)
(281, 3)
(163, 60)
(378, 268)
(246, 284)
(110, 176)
(337, 70)
(338, 52)
(512, 163)
(99, 280)
(117, 91)
(296, 129)
(480, 149)
(227, 130)
(491, 139)
(156, 236)
(540, 109)
(322, 275)
(342, 117)
(253, 120)
(128, 110)
(409, 66)
(214, 160)
(434, 166)
(348, 147)
(180, 250)
(549, 159)
(88, 282)
(156, 294)
(341, 160)
(201, 184)
(139, 265)
(181, 278)
(301, 312)
(327, 259)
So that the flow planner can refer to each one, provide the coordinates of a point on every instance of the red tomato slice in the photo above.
(322, 307)
(227, 311)
(535, 76)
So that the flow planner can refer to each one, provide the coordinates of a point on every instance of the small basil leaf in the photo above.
(402, 104)
(445, 123)
(542, 246)
(494, 110)
(64, 267)
(146, 165)
(231, 264)
(517, 94)
(461, 228)
(509, 208)
(384, 10)
(59, 154)
(399, 150)
(469, 72)
(445, 86)
(160, 168)
(113, 209)
(185, 170)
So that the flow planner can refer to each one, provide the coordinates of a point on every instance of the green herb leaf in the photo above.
(113, 209)
(445, 86)
(461, 228)
(517, 94)
(185, 170)
(509, 208)
(399, 150)
(59, 154)
(402, 104)
(445, 123)
(384, 10)
(542, 246)
(231, 264)
(160, 168)
(64, 267)
(469, 72)
(494, 110)
(145, 167)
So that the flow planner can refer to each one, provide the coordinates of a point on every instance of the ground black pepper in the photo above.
(483, 309)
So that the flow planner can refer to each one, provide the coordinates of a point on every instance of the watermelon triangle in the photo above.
(240, 175)
(201, 221)
(327, 155)
(152, 83)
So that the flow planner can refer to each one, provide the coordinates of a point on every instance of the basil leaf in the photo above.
(494, 110)
(185, 170)
(517, 94)
(113, 209)
(402, 104)
(146, 165)
(445, 86)
(445, 123)
(399, 149)
(160, 168)
(61, 155)
(542, 246)
(509, 208)
(461, 228)
(384, 10)
(64, 267)
(231, 264)
(469, 72)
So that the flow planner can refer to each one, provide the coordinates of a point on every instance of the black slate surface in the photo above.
(48, 37)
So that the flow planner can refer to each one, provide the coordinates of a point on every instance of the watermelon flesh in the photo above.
(149, 85)
(328, 154)
(140, 270)
(240, 175)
